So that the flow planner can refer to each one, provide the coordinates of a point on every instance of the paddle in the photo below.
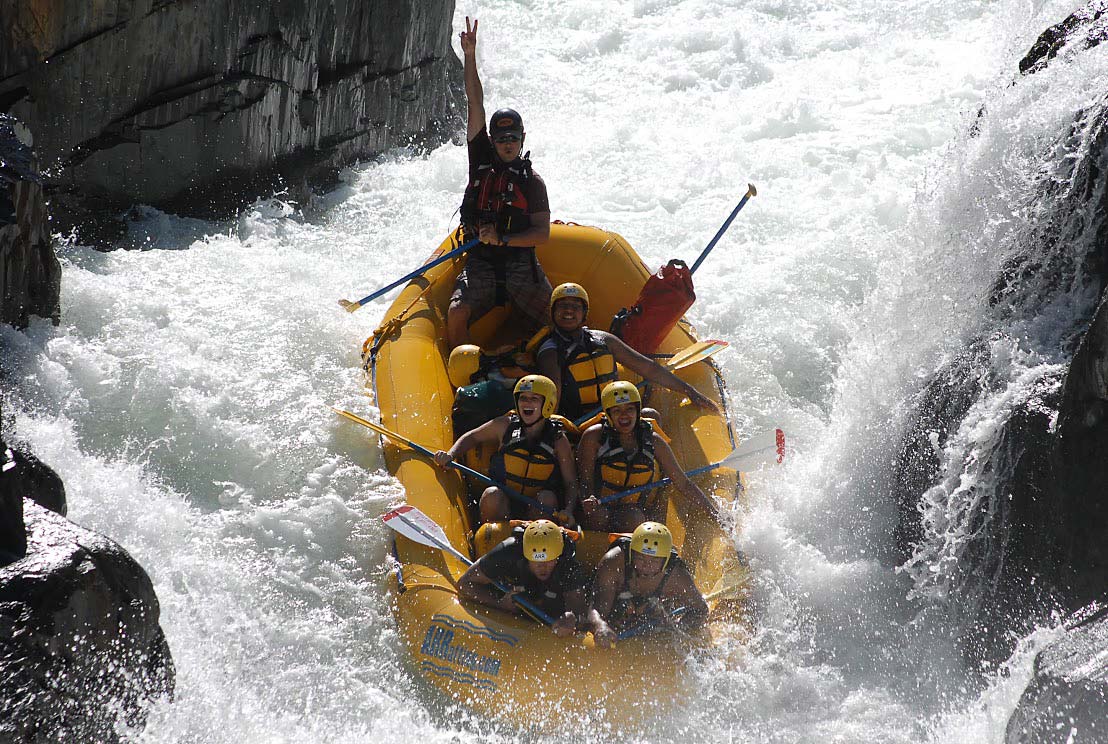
(762, 448)
(419, 528)
(456, 465)
(750, 191)
(688, 356)
(352, 306)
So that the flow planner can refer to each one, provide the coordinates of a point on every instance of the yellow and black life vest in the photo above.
(618, 470)
(526, 466)
(587, 365)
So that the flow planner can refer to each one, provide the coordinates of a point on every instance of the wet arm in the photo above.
(681, 591)
(537, 234)
(477, 587)
(475, 94)
(650, 370)
(568, 466)
(688, 489)
(586, 461)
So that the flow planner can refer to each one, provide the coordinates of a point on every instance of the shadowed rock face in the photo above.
(22, 475)
(80, 646)
(184, 105)
(1085, 28)
(1033, 538)
(1067, 699)
(30, 275)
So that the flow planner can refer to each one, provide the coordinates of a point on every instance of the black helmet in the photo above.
(505, 120)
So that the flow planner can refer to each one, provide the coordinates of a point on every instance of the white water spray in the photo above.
(183, 397)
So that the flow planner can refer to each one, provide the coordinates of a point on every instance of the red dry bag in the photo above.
(664, 298)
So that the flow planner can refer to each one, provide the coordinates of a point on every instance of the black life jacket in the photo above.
(548, 595)
(587, 365)
(524, 465)
(628, 606)
(498, 193)
(618, 470)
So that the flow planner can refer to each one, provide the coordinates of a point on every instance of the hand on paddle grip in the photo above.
(603, 636)
(565, 625)
(443, 459)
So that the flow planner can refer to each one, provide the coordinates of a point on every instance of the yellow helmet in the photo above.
(464, 362)
(539, 385)
(542, 541)
(653, 539)
(619, 392)
(569, 289)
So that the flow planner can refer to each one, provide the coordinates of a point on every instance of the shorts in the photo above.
(476, 287)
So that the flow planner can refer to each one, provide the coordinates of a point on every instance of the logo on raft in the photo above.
(439, 642)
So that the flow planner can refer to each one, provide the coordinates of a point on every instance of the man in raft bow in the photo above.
(639, 584)
(623, 452)
(533, 458)
(506, 206)
(582, 361)
(539, 563)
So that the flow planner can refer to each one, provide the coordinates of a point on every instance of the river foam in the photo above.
(183, 397)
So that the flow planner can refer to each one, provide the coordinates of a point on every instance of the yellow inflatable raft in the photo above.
(506, 667)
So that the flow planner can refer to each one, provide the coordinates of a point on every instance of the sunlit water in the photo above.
(183, 397)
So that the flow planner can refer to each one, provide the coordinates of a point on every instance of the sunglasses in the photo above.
(508, 137)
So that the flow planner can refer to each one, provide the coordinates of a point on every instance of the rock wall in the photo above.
(190, 105)
(81, 650)
(1032, 540)
(30, 275)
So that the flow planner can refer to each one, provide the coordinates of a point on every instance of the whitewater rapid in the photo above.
(183, 397)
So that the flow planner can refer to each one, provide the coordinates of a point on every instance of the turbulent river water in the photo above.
(183, 397)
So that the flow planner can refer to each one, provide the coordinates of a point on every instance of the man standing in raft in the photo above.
(505, 205)
(623, 452)
(639, 583)
(537, 562)
(582, 361)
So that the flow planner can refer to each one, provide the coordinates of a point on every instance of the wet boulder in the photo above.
(1067, 698)
(81, 650)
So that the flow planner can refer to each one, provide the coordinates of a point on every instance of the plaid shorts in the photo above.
(476, 287)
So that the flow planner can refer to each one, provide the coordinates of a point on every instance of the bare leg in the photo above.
(626, 519)
(546, 498)
(457, 324)
(595, 519)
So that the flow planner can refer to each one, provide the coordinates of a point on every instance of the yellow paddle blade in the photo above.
(699, 351)
(349, 306)
(734, 581)
(393, 436)
(750, 190)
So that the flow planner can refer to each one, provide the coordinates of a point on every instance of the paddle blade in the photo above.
(349, 306)
(760, 449)
(391, 436)
(416, 526)
(750, 190)
(698, 352)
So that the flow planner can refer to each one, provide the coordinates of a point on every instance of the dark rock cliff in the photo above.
(30, 275)
(1033, 540)
(192, 106)
(81, 650)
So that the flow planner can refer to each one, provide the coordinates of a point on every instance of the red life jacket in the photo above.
(498, 194)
